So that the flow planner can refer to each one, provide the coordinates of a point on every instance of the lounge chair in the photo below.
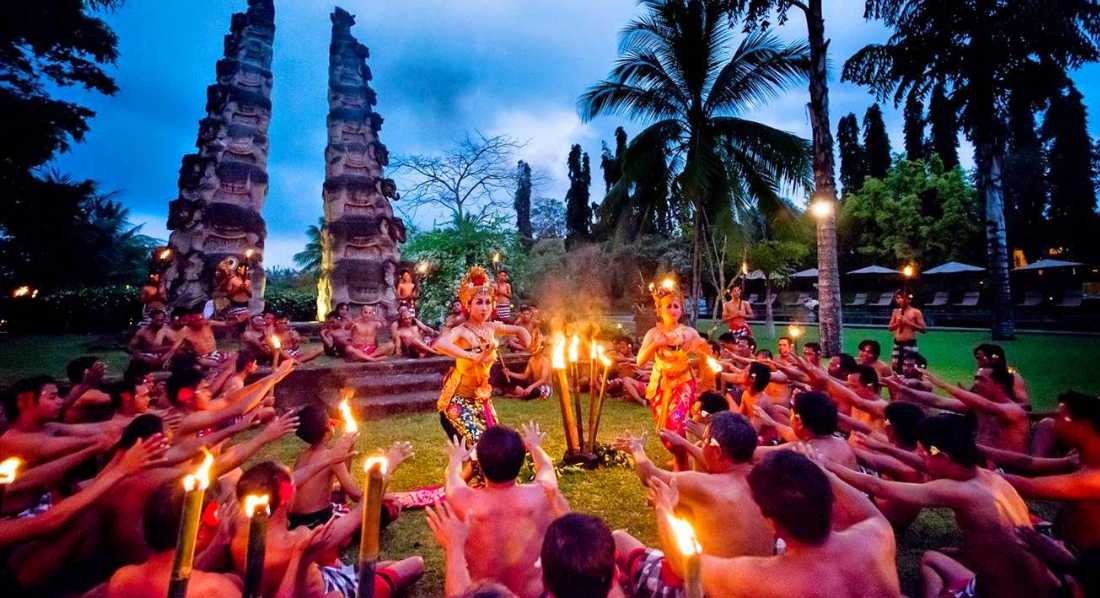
(1031, 299)
(859, 299)
(801, 300)
(753, 299)
(884, 300)
(771, 300)
(1072, 299)
(969, 300)
(939, 300)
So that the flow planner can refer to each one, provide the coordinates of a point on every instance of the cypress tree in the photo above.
(945, 128)
(1022, 177)
(876, 143)
(523, 203)
(914, 128)
(1072, 212)
(578, 213)
(853, 161)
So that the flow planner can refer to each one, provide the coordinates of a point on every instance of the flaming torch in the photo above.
(194, 486)
(422, 268)
(8, 468)
(574, 355)
(692, 552)
(557, 362)
(23, 291)
(795, 332)
(350, 427)
(907, 272)
(596, 413)
(257, 510)
(375, 468)
(276, 346)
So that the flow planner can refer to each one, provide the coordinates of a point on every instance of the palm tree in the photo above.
(309, 259)
(677, 72)
(759, 14)
(982, 51)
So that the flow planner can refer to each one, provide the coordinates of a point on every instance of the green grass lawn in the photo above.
(615, 494)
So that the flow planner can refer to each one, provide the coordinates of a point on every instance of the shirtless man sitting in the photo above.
(538, 375)
(718, 501)
(291, 341)
(161, 523)
(408, 336)
(529, 319)
(32, 407)
(333, 336)
(254, 339)
(1077, 427)
(814, 422)
(152, 342)
(507, 520)
(454, 318)
(86, 401)
(153, 297)
(987, 510)
(869, 353)
(363, 343)
(797, 500)
(987, 354)
(314, 581)
(197, 337)
(1002, 423)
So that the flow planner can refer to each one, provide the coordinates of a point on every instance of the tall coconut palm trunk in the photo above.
(988, 155)
(828, 275)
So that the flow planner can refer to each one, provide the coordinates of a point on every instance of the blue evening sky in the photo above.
(440, 69)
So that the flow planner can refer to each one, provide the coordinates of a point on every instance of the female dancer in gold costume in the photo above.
(465, 408)
(671, 391)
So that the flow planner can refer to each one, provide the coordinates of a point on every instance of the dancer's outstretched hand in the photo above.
(449, 530)
(532, 434)
(457, 451)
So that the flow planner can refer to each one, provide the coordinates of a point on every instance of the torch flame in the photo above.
(715, 365)
(574, 348)
(167, 253)
(908, 271)
(685, 536)
(603, 358)
(248, 252)
(22, 291)
(668, 284)
(745, 268)
(422, 268)
(252, 501)
(557, 361)
(350, 427)
(381, 461)
(276, 342)
(593, 350)
(794, 331)
(496, 258)
(200, 480)
(7, 470)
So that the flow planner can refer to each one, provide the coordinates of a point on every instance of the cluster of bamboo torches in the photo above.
(568, 374)
(257, 510)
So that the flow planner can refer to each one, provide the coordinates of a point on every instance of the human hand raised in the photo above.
(449, 529)
(399, 452)
(457, 451)
(664, 496)
(533, 436)
(280, 426)
(629, 443)
(145, 453)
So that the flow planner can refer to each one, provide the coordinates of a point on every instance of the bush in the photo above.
(91, 309)
(298, 305)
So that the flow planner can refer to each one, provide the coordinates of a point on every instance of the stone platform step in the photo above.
(374, 385)
(396, 404)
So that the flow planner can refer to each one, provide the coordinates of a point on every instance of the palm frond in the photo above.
(760, 69)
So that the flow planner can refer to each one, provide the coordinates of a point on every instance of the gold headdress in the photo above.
(473, 284)
(668, 286)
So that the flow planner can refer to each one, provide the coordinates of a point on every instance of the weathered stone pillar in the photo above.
(360, 234)
(223, 186)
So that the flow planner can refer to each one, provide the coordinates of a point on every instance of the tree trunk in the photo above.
(828, 277)
(696, 280)
(769, 318)
(988, 155)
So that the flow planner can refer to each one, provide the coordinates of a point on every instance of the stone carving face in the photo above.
(349, 160)
(348, 132)
(347, 97)
(255, 52)
(380, 153)
(253, 79)
(245, 144)
(241, 185)
(241, 113)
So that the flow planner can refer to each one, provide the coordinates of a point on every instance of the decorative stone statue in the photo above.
(222, 188)
(360, 236)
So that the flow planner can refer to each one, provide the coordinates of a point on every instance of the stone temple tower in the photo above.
(223, 186)
(360, 234)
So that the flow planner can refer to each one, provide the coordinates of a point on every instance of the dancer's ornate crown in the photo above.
(473, 284)
(666, 287)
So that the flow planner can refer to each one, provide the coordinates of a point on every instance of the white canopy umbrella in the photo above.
(874, 270)
(755, 275)
(811, 273)
(1047, 264)
(953, 268)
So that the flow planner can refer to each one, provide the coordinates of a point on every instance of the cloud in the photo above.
(548, 133)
